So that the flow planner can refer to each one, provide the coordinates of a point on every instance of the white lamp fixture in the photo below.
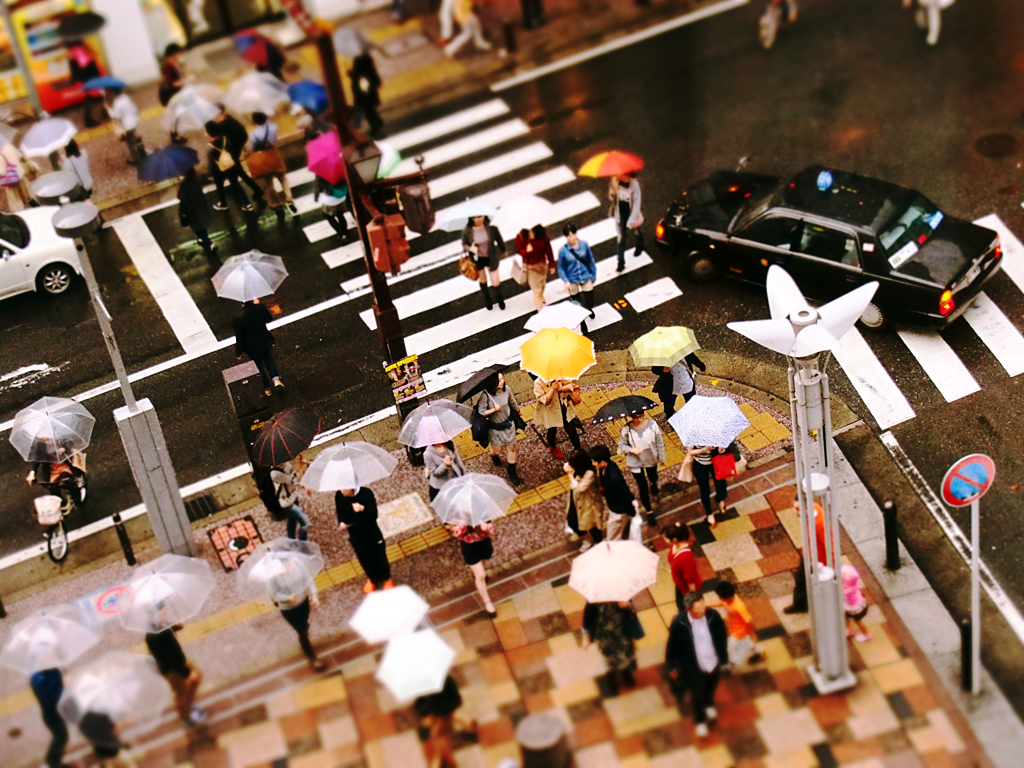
(365, 158)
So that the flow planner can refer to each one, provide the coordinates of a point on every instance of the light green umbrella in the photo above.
(389, 159)
(663, 346)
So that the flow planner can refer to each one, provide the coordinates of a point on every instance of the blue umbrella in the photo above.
(168, 163)
(102, 83)
(245, 40)
(308, 94)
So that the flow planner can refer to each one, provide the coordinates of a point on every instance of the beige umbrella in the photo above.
(613, 571)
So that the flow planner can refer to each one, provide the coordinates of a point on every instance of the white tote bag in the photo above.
(518, 270)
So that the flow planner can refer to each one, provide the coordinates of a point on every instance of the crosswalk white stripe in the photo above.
(1013, 249)
(467, 145)
(321, 230)
(940, 362)
(489, 169)
(653, 294)
(542, 182)
(872, 382)
(516, 306)
(448, 124)
(184, 317)
(457, 287)
(997, 332)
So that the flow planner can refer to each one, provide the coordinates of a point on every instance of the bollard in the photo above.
(543, 742)
(122, 536)
(892, 542)
(966, 678)
(510, 37)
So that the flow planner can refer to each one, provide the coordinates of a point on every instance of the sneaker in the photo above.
(368, 587)
(317, 665)
(219, 207)
(267, 392)
(278, 382)
(702, 730)
(586, 545)
(248, 207)
(557, 452)
(197, 715)
(389, 584)
(791, 609)
(712, 713)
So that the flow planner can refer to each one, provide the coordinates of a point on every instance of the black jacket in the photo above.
(192, 204)
(363, 66)
(616, 492)
(251, 334)
(663, 386)
(680, 654)
(236, 135)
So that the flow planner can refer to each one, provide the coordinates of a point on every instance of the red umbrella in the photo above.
(259, 52)
(324, 157)
(284, 436)
(612, 163)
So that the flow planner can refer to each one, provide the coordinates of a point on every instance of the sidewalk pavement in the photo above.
(267, 707)
(413, 68)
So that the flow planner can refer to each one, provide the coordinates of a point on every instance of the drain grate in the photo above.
(201, 507)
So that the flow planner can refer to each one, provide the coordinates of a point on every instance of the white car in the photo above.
(33, 257)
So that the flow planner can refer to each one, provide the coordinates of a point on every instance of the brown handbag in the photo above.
(468, 267)
(265, 162)
(576, 396)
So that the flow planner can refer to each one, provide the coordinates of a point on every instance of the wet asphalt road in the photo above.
(849, 85)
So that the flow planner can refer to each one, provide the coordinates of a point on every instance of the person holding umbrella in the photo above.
(577, 268)
(486, 245)
(183, 677)
(624, 192)
(554, 409)
(498, 404)
(126, 118)
(262, 144)
(476, 548)
(47, 686)
(677, 380)
(703, 473)
(534, 248)
(643, 444)
(100, 730)
(605, 624)
(286, 479)
(194, 212)
(356, 509)
(253, 338)
(584, 512)
(443, 463)
(171, 81)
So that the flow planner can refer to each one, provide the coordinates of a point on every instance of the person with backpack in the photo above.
(286, 487)
(577, 269)
(224, 168)
(267, 165)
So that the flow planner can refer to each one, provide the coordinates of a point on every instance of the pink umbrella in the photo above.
(324, 157)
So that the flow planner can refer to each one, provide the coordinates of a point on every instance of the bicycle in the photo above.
(50, 510)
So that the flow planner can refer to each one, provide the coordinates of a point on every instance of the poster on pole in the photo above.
(406, 378)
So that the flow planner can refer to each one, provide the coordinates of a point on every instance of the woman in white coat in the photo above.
(624, 192)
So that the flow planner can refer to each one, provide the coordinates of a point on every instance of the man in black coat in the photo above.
(697, 648)
(621, 503)
(253, 338)
(366, 92)
(237, 137)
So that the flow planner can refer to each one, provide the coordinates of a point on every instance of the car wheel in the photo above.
(55, 279)
(700, 267)
(873, 318)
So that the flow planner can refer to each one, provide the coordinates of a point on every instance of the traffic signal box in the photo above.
(387, 241)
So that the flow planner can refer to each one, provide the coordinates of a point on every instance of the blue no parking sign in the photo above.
(968, 479)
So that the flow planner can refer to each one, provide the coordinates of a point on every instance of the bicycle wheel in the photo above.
(57, 542)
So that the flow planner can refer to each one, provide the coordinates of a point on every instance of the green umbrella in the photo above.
(663, 346)
(389, 159)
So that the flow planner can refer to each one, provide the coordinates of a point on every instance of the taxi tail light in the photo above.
(659, 231)
(998, 252)
(946, 303)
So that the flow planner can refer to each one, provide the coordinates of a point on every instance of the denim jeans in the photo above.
(297, 519)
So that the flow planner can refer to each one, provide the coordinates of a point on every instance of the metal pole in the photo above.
(975, 599)
(19, 57)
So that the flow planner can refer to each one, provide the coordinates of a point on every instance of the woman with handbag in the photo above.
(624, 192)
(193, 211)
(584, 512)
(703, 472)
(534, 247)
(486, 247)
(266, 164)
(499, 405)
(643, 444)
(224, 168)
(554, 409)
(443, 463)
(612, 627)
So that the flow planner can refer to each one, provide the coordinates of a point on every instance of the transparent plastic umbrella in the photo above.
(118, 685)
(165, 592)
(524, 212)
(249, 276)
(47, 136)
(435, 422)
(52, 429)
(415, 664)
(192, 107)
(564, 314)
(709, 421)
(454, 219)
(47, 638)
(472, 499)
(256, 92)
(388, 613)
(281, 569)
(349, 465)
(613, 571)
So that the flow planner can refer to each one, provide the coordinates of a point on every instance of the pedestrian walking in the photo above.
(742, 641)
(193, 211)
(237, 140)
(584, 512)
(446, 17)
(929, 16)
(17, 171)
(101, 733)
(476, 547)
(624, 192)
(470, 28)
(183, 677)
(855, 603)
(623, 521)
(534, 248)
(682, 563)
(366, 85)
(357, 511)
(334, 195)
(126, 121)
(296, 610)
(486, 247)
(695, 652)
(47, 686)
(436, 714)
(577, 269)
(172, 80)
(253, 338)
(704, 473)
(76, 161)
(499, 405)
(554, 409)
(224, 168)
(443, 463)
(286, 479)
(677, 380)
(643, 444)
(267, 165)
(606, 625)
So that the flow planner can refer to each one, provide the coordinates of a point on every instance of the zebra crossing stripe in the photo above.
(873, 383)
(940, 362)
(421, 134)
(653, 294)
(1013, 250)
(997, 333)
(485, 139)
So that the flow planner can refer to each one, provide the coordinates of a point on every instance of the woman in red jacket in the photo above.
(534, 247)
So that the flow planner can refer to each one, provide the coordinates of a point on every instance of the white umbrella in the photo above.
(519, 213)
(256, 92)
(437, 421)
(564, 314)
(52, 429)
(709, 421)
(613, 571)
(47, 136)
(47, 638)
(165, 592)
(193, 106)
(415, 664)
(281, 569)
(348, 465)
(387, 613)
(454, 219)
(473, 498)
(117, 685)
(249, 276)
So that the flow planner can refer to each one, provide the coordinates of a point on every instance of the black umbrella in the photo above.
(623, 408)
(80, 25)
(284, 436)
(476, 382)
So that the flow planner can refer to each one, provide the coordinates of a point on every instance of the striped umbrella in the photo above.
(665, 345)
(284, 436)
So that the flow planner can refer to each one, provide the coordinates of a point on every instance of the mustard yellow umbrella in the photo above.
(558, 353)
(612, 163)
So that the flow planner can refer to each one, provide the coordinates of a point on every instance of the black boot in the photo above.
(487, 296)
(498, 296)
(588, 301)
(513, 475)
(496, 460)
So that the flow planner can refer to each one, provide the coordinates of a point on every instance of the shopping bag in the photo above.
(518, 270)
(636, 529)
(686, 469)
(724, 465)
(633, 626)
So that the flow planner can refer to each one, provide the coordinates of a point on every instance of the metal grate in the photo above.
(201, 506)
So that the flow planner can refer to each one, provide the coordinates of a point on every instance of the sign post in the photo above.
(965, 483)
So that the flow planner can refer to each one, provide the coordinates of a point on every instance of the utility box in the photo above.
(251, 404)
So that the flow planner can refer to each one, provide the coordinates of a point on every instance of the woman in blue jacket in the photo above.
(577, 268)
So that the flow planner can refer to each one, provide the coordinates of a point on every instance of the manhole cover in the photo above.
(235, 541)
(997, 145)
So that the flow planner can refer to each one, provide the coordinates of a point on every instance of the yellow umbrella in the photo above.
(665, 345)
(558, 353)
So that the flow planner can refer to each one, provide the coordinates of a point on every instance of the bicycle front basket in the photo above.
(48, 510)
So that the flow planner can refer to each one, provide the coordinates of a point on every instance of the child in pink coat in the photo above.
(855, 603)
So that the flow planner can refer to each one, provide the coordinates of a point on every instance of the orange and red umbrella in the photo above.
(613, 163)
